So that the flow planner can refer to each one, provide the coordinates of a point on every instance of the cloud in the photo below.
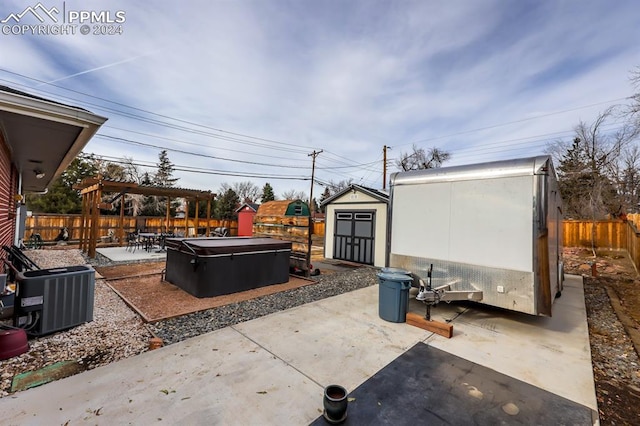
(346, 77)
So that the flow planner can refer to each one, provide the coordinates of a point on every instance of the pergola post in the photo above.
(93, 188)
(83, 222)
(87, 232)
(121, 223)
(197, 222)
(166, 223)
(186, 218)
(94, 222)
(209, 216)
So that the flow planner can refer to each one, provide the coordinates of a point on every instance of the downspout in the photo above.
(16, 236)
(19, 217)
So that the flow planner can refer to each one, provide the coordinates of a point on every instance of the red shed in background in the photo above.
(246, 212)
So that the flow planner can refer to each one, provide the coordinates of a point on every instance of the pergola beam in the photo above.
(92, 189)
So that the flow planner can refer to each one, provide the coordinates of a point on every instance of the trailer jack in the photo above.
(444, 293)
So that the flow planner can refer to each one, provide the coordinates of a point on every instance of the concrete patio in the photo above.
(272, 370)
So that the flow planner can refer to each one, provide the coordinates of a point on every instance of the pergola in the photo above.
(92, 189)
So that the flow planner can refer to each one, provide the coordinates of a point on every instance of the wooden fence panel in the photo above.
(633, 244)
(49, 225)
(609, 234)
(634, 218)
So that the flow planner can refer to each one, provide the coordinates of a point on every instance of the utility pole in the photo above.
(314, 154)
(384, 167)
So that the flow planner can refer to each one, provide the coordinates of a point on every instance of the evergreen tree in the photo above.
(164, 175)
(202, 208)
(149, 203)
(154, 205)
(267, 193)
(325, 194)
(227, 204)
(146, 179)
(61, 197)
(574, 180)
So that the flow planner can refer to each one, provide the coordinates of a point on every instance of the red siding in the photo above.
(245, 222)
(8, 188)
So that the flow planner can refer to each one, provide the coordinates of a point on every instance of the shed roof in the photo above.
(378, 195)
(252, 206)
(283, 208)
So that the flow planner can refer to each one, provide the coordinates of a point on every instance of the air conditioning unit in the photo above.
(50, 300)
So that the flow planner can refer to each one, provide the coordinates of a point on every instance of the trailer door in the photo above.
(354, 236)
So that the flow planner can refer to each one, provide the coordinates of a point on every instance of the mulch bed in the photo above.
(141, 287)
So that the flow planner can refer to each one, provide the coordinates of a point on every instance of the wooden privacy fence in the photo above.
(609, 234)
(318, 228)
(49, 225)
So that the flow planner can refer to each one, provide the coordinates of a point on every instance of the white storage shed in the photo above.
(356, 225)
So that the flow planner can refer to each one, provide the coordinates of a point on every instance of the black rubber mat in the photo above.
(431, 387)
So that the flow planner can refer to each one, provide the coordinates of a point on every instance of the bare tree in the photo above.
(247, 191)
(634, 109)
(133, 202)
(557, 150)
(421, 159)
(335, 187)
(629, 179)
(292, 194)
(603, 148)
(588, 170)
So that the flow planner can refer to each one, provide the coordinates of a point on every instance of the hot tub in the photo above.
(206, 267)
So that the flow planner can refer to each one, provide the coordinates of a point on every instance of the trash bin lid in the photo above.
(390, 270)
(388, 276)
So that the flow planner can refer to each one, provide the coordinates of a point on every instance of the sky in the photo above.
(246, 90)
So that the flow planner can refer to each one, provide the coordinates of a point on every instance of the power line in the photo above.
(201, 170)
(176, 127)
(271, 141)
(515, 121)
(198, 154)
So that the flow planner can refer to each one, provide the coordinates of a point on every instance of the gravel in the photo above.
(180, 328)
(116, 332)
(617, 359)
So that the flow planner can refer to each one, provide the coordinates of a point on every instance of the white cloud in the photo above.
(347, 77)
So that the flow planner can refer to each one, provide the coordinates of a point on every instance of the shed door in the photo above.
(354, 236)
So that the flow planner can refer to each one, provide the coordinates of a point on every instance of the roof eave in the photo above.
(51, 111)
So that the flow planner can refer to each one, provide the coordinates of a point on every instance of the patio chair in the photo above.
(221, 231)
(133, 241)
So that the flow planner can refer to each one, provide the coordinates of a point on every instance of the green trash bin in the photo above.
(393, 296)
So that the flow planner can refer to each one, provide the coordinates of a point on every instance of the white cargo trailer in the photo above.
(493, 228)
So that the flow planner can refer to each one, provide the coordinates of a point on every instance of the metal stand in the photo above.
(433, 296)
